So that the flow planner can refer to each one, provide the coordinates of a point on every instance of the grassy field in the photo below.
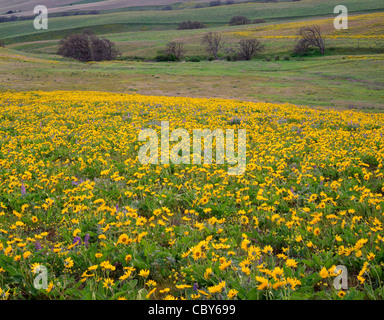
(334, 81)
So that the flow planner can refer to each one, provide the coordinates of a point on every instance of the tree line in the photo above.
(86, 46)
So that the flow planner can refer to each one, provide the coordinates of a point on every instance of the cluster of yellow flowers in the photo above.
(76, 199)
(363, 26)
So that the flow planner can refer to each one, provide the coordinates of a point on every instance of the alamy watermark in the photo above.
(181, 151)
(341, 21)
(341, 280)
(41, 280)
(41, 20)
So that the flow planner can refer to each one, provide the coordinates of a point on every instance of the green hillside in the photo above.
(23, 31)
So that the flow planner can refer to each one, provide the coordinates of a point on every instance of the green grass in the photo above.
(329, 81)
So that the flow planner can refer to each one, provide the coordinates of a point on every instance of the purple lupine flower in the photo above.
(76, 240)
(86, 239)
(117, 208)
(195, 287)
(38, 246)
(292, 190)
(75, 183)
(23, 192)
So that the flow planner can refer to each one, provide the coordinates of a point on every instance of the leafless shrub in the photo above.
(311, 36)
(176, 49)
(249, 48)
(213, 43)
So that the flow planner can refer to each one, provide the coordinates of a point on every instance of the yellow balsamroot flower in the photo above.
(4, 294)
(268, 249)
(124, 239)
(244, 220)
(232, 293)
(264, 283)
(35, 267)
(293, 282)
(197, 254)
(50, 287)
(144, 273)
(151, 293)
(225, 264)
(106, 265)
(151, 283)
(217, 288)
(324, 273)
(291, 263)
(370, 256)
(68, 263)
(108, 283)
(208, 272)
(26, 254)
(76, 232)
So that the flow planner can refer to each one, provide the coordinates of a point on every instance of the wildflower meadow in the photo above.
(82, 218)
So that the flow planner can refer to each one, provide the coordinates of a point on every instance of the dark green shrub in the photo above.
(162, 57)
(239, 20)
(194, 59)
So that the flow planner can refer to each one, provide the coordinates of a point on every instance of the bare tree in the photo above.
(311, 36)
(176, 49)
(213, 43)
(249, 47)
